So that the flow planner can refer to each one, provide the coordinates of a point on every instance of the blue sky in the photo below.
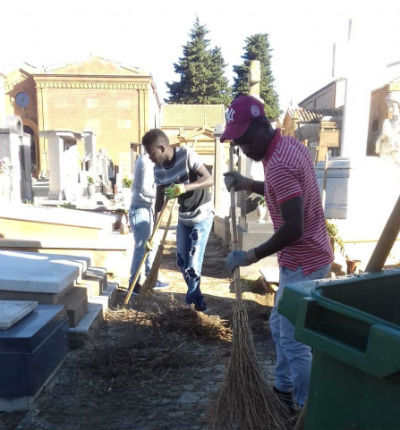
(150, 35)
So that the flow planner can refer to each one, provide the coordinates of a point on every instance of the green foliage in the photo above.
(262, 201)
(90, 180)
(336, 239)
(201, 72)
(126, 182)
(257, 48)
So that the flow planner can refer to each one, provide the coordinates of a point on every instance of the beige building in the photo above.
(118, 103)
(194, 125)
(319, 130)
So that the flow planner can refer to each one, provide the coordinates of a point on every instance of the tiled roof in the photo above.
(183, 115)
(305, 115)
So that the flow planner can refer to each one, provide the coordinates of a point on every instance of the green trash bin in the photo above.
(353, 326)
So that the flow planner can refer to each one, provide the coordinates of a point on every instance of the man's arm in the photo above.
(290, 232)
(257, 187)
(292, 229)
(205, 180)
(239, 182)
(160, 199)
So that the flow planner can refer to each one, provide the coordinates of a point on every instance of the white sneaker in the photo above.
(161, 285)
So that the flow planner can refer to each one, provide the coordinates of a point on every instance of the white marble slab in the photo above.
(11, 311)
(33, 272)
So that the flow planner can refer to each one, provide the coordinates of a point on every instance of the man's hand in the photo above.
(148, 246)
(175, 190)
(237, 181)
(240, 258)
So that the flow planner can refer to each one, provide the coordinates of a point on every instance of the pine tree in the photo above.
(257, 48)
(201, 72)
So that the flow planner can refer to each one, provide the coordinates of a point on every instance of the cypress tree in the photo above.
(257, 48)
(201, 72)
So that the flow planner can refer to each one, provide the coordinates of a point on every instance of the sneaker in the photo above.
(202, 308)
(160, 285)
(136, 290)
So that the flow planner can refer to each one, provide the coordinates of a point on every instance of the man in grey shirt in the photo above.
(141, 218)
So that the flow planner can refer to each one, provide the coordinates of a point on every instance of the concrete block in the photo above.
(107, 298)
(11, 311)
(93, 285)
(76, 302)
(90, 321)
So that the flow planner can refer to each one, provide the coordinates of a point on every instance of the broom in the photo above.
(151, 278)
(135, 279)
(245, 401)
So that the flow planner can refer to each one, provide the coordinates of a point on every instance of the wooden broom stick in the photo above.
(235, 239)
(152, 276)
(135, 279)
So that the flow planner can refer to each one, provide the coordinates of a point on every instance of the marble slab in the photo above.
(33, 272)
(11, 311)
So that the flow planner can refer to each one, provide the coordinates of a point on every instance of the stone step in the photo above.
(107, 298)
(91, 320)
(94, 286)
(76, 302)
(99, 273)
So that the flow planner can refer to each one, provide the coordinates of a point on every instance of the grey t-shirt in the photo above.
(144, 186)
(195, 205)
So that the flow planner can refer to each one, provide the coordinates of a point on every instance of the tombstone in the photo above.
(16, 177)
(31, 350)
(63, 164)
(90, 151)
(104, 167)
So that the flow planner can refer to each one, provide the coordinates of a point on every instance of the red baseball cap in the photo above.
(239, 116)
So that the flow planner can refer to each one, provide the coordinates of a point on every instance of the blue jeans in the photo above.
(191, 243)
(293, 358)
(141, 220)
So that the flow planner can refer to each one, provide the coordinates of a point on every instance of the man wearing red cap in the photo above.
(300, 237)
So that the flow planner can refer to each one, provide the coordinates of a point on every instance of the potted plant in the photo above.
(261, 209)
(336, 240)
(121, 220)
(337, 243)
(90, 187)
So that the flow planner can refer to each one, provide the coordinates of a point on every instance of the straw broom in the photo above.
(245, 401)
(135, 279)
(151, 278)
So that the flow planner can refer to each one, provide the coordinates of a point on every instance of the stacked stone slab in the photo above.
(33, 344)
(58, 280)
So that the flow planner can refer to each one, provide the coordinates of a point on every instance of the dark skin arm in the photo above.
(205, 180)
(257, 187)
(292, 213)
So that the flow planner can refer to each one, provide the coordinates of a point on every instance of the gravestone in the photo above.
(16, 181)
(63, 164)
(31, 351)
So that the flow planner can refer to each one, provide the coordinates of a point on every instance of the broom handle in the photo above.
(386, 241)
(150, 281)
(235, 241)
(168, 224)
(135, 279)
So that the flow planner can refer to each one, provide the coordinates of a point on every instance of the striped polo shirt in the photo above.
(289, 172)
(196, 205)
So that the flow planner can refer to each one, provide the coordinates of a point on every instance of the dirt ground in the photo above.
(154, 364)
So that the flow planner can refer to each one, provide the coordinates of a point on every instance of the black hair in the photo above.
(152, 135)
